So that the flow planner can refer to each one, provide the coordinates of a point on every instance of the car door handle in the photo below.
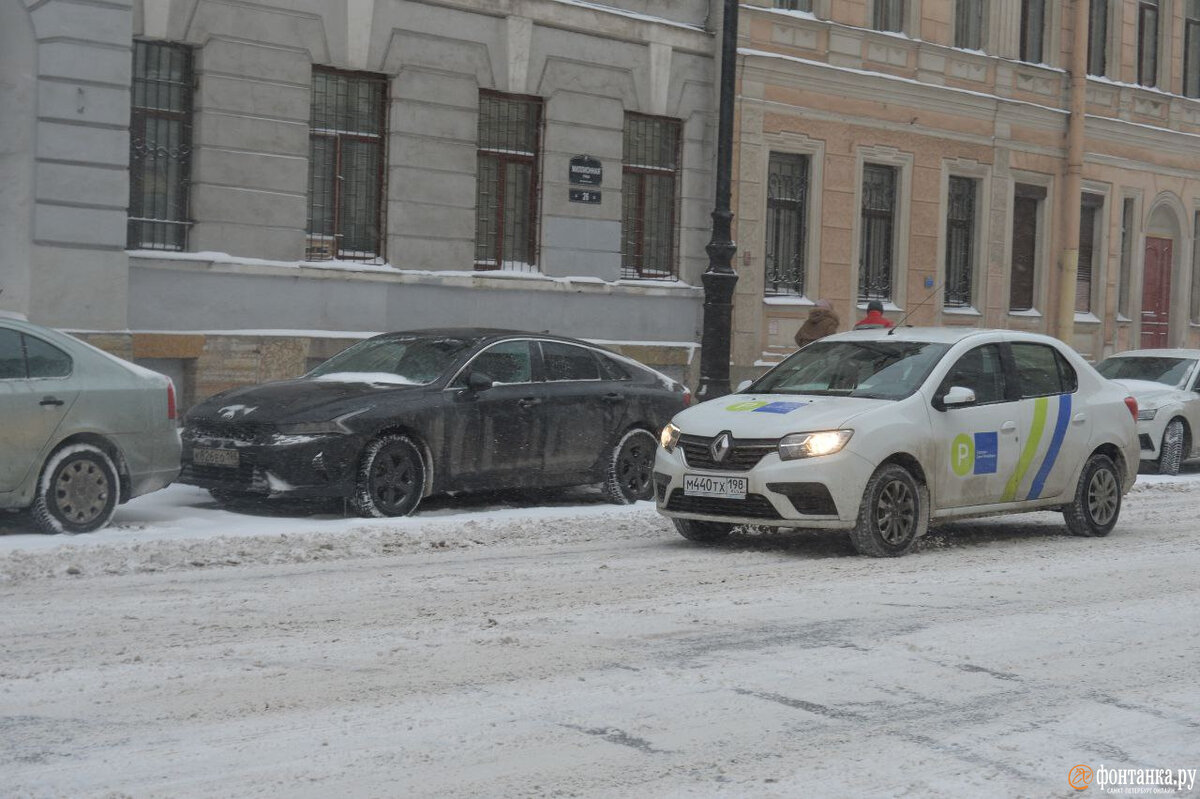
(614, 398)
(48, 400)
(1008, 427)
(1079, 418)
(529, 402)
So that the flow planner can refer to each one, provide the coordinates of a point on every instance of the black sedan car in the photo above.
(401, 416)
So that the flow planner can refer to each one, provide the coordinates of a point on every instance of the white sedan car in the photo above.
(878, 432)
(1166, 384)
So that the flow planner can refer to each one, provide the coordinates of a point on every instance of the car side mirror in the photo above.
(479, 381)
(742, 386)
(957, 397)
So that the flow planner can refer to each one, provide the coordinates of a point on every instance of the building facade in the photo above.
(915, 152)
(230, 191)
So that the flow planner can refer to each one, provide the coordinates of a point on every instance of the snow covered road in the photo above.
(587, 650)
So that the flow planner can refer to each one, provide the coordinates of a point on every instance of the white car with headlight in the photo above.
(879, 432)
(1166, 384)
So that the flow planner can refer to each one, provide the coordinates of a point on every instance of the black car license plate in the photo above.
(203, 456)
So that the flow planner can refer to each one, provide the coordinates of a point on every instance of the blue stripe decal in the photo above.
(1060, 432)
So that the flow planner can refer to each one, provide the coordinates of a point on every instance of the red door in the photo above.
(1156, 293)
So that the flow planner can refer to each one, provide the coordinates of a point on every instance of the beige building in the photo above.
(915, 152)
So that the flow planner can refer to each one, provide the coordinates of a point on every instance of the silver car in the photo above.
(81, 431)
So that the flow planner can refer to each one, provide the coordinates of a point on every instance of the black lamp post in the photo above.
(719, 279)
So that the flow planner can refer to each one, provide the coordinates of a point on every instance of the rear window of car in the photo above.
(568, 362)
(45, 360)
(1043, 371)
(12, 357)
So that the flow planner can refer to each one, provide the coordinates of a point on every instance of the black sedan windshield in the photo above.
(1170, 371)
(404, 360)
(885, 369)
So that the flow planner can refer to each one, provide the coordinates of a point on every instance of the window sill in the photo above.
(1087, 318)
(960, 311)
(1031, 313)
(788, 299)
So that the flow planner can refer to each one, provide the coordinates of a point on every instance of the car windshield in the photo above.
(403, 360)
(1170, 371)
(876, 369)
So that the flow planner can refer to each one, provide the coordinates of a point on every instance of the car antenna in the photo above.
(904, 318)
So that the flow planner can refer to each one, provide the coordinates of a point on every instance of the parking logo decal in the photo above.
(780, 407)
(962, 454)
(747, 405)
(975, 454)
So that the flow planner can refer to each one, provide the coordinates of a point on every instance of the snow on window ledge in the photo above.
(965, 310)
(1087, 317)
(787, 299)
(1032, 313)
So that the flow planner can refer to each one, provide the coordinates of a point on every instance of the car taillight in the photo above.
(171, 412)
(1131, 404)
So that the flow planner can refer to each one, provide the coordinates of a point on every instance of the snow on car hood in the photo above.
(773, 415)
(1148, 391)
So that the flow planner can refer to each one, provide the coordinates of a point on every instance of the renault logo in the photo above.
(720, 447)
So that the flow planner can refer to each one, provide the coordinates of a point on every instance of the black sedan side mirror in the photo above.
(478, 381)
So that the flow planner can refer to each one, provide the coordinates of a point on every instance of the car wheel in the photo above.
(1097, 502)
(78, 491)
(391, 478)
(894, 513)
(702, 532)
(1170, 454)
(631, 468)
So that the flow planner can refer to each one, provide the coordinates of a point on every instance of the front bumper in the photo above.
(822, 493)
(275, 465)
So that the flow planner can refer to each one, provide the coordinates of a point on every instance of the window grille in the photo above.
(160, 146)
(1148, 42)
(960, 241)
(346, 166)
(1098, 37)
(787, 223)
(650, 174)
(1027, 206)
(1033, 30)
(888, 15)
(1088, 214)
(1191, 49)
(506, 194)
(878, 227)
(968, 24)
(1127, 235)
(794, 5)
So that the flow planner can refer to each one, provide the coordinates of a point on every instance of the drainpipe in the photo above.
(1073, 195)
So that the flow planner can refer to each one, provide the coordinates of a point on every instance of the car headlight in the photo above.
(333, 427)
(810, 445)
(1146, 414)
(669, 437)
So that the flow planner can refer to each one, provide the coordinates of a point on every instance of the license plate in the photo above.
(699, 485)
(215, 457)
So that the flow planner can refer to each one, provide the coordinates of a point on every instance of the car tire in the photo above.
(78, 491)
(1170, 453)
(894, 513)
(630, 474)
(703, 532)
(1097, 503)
(391, 478)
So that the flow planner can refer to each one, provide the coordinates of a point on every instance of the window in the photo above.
(1148, 42)
(160, 146)
(1191, 49)
(1127, 235)
(23, 356)
(960, 241)
(794, 5)
(650, 174)
(568, 362)
(1097, 37)
(787, 223)
(980, 370)
(1043, 370)
(1088, 231)
(877, 243)
(1033, 30)
(888, 15)
(1027, 213)
(346, 165)
(1196, 268)
(12, 356)
(968, 24)
(506, 362)
(506, 194)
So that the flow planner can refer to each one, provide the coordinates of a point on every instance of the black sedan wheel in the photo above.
(631, 468)
(391, 478)
(78, 492)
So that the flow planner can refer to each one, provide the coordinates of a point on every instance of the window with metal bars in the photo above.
(160, 146)
(346, 164)
(650, 175)
(968, 24)
(1097, 37)
(787, 223)
(888, 15)
(1089, 213)
(506, 193)
(960, 241)
(1033, 30)
(1148, 42)
(877, 243)
(1191, 49)
(1027, 213)
(794, 5)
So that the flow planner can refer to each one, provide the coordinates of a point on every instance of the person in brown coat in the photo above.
(821, 322)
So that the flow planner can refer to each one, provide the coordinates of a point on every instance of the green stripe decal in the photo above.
(1030, 449)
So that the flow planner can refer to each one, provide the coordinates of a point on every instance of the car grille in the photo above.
(246, 477)
(743, 456)
(242, 432)
(754, 506)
